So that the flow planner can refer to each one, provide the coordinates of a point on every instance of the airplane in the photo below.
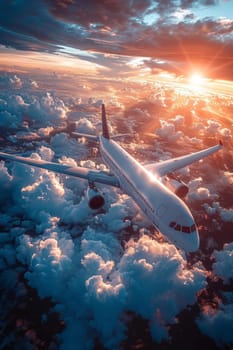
(154, 187)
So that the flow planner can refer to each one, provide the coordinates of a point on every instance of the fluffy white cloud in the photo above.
(225, 214)
(73, 148)
(178, 120)
(225, 133)
(42, 110)
(15, 82)
(158, 283)
(198, 192)
(218, 324)
(85, 126)
(9, 120)
(212, 126)
(223, 265)
(94, 280)
(114, 218)
(5, 182)
(47, 109)
(226, 178)
(84, 260)
(168, 131)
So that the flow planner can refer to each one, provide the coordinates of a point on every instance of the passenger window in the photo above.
(186, 229)
(178, 227)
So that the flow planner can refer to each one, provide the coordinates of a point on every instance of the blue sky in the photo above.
(223, 8)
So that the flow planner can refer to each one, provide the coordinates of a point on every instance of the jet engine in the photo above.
(176, 185)
(95, 198)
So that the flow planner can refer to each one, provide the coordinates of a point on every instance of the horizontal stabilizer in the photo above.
(87, 136)
(125, 135)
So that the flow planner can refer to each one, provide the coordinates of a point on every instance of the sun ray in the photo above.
(196, 78)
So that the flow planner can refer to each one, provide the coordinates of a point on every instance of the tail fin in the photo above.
(104, 123)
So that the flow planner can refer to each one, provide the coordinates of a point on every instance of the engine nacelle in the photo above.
(95, 198)
(176, 186)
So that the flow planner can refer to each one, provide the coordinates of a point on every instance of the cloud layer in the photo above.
(92, 274)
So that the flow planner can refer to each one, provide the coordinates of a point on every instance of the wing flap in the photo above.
(83, 173)
(170, 165)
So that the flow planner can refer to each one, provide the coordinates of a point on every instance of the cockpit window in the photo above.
(193, 228)
(185, 229)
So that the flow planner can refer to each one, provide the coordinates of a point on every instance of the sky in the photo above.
(122, 38)
(108, 279)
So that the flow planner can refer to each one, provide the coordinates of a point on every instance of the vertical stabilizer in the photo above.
(104, 123)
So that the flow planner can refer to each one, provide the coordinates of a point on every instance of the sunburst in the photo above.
(196, 81)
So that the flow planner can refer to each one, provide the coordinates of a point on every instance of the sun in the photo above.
(196, 82)
(196, 78)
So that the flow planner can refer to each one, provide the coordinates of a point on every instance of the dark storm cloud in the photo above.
(23, 23)
(24, 42)
(28, 19)
(193, 3)
(115, 14)
(114, 27)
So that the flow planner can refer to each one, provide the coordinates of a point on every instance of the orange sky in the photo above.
(166, 36)
(35, 60)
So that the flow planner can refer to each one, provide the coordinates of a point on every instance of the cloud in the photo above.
(218, 324)
(113, 222)
(226, 215)
(85, 126)
(8, 120)
(215, 128)
(5, 180)
(223, 263)
(168, 131)
(97, 268)
(122, 29)
(72, 146)
(41, 109)
(198, 192)
(76, 257)
(16, 81)
(98, 282)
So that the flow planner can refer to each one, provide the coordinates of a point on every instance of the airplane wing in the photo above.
(170, 165)
(81, 172)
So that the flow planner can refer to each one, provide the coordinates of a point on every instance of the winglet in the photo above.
(104, 123)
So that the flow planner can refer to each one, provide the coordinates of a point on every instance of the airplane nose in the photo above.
(193, 243)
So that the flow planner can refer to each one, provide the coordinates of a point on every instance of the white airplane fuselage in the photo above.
(168, 213)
